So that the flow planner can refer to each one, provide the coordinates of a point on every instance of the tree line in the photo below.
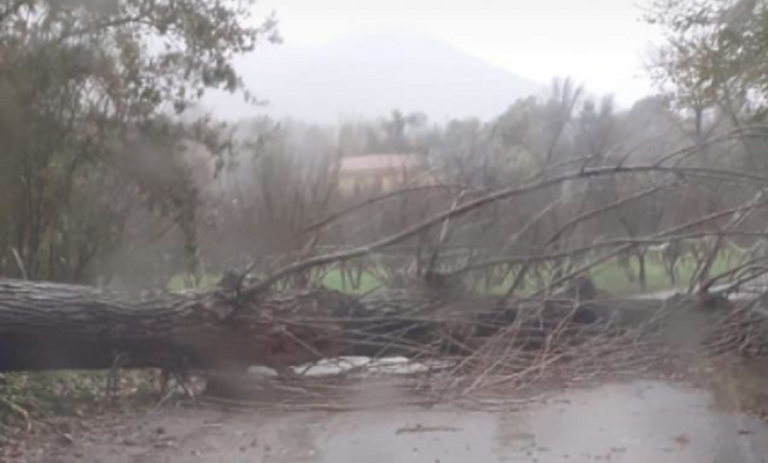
(113, 175)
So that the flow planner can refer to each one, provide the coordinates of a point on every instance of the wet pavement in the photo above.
(641, 421)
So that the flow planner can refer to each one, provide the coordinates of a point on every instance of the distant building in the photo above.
(383, 172)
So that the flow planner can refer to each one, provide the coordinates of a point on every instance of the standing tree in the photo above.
(79, 79)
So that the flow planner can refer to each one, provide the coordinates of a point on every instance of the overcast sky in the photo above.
(601, 43)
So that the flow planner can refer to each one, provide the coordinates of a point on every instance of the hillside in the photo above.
(369, 75)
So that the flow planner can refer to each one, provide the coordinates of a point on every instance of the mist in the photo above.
(381, 207)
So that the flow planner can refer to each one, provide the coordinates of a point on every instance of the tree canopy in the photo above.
(84, 85)
(715, 53)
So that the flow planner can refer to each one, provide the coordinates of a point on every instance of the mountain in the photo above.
(369, 75)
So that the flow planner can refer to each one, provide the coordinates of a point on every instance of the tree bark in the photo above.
(54, 326)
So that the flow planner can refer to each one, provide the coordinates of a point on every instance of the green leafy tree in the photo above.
(81, 79)
(714, 56)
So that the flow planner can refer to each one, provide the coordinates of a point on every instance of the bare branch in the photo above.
(19, 263)
(369, 202)
(657, 238)
(488, 199)
(599, 211)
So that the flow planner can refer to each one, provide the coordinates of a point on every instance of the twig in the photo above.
(739, 218)
(595, 212)
(337, 215)
(19, 263)
(731, 272)
(19, 410)
(657, 238)
(506, 193)
(444, 232)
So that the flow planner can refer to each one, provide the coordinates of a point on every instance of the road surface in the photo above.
(641, 421)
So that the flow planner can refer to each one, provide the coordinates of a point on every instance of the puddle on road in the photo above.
(635, 422)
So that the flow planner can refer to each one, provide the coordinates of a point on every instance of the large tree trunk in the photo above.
(55, 326)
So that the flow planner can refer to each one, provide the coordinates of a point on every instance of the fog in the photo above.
(520, 197)
(448, 59)
(366, 75)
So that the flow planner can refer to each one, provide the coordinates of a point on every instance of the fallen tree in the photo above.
(54, 326)
(233, 326)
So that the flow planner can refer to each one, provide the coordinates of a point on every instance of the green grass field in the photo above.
(177, 283)
(333, 280)
(609, 277)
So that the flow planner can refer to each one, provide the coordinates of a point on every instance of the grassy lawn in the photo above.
(334, 280)
(609, 277)
(612, 278)
(177, 283)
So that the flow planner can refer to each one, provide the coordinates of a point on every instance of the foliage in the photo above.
(715, 53)
(136, 50)
(85, 87)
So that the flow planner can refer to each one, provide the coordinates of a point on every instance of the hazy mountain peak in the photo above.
(368, 74)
